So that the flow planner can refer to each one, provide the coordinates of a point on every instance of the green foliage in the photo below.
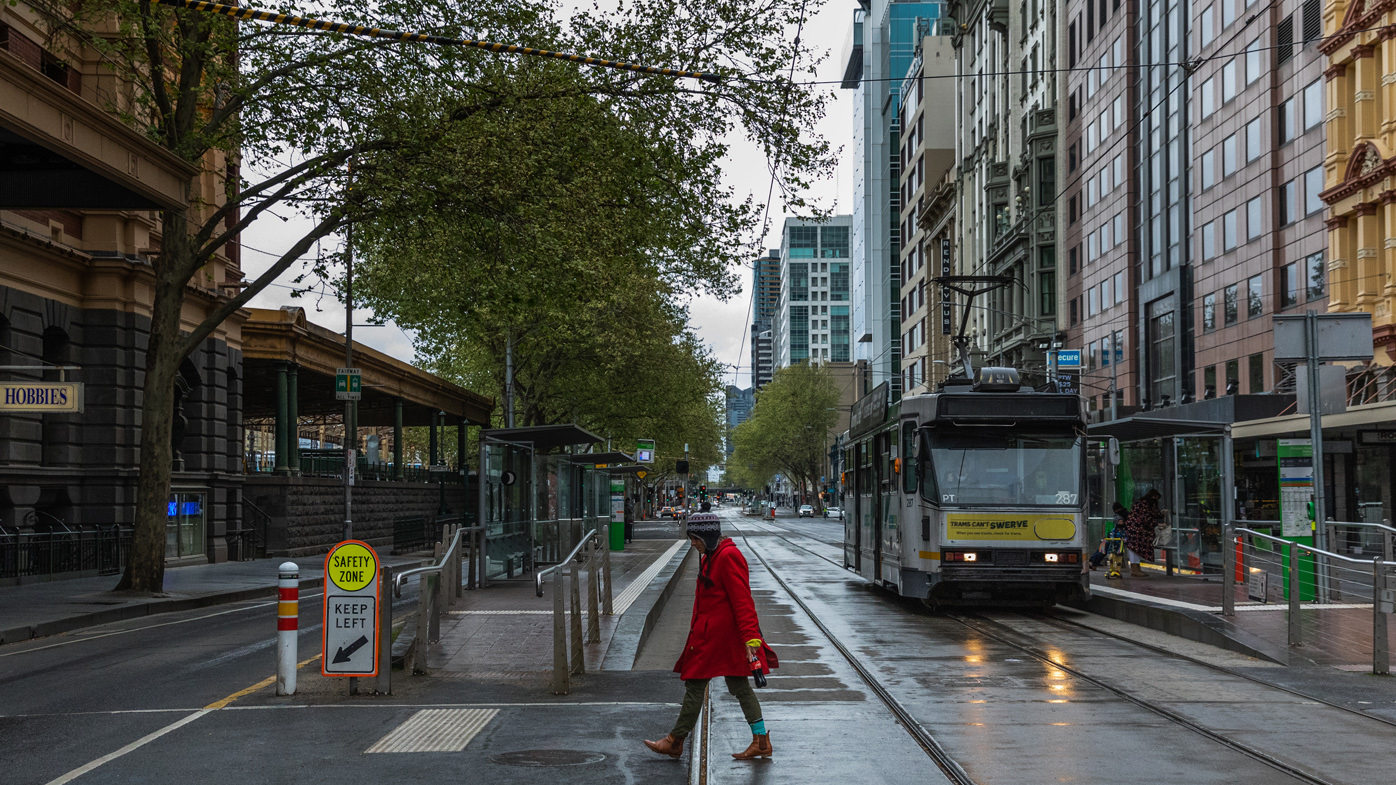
(788, 430)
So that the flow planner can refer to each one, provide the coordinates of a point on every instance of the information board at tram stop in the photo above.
(348, 384)
(1296, 464)
(644, 450)
(349, 634)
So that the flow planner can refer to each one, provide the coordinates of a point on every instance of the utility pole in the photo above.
(350, 432)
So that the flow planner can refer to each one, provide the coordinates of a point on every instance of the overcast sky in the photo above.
(721, 325)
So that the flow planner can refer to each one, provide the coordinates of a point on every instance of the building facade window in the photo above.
(1313, 104)
(1257, 373)
(1255, 296)
(1209, 313)
(1229, 231)
(1289, 203)
(1313, 186)
(1254, 145)
(1316, 274)
(1162, 363)
(1254, 219)
(1230, 305)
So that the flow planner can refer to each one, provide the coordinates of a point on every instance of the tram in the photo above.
(971, 495)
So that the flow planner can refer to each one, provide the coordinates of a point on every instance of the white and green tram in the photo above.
(972, 495)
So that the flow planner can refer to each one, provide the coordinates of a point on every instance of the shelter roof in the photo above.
(275, 338)
(544, 437)
(1141, 427)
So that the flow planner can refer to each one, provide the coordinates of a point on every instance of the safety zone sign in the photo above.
(350, 631)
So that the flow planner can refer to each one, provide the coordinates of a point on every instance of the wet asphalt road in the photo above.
(1098, 710)
(1088, 708)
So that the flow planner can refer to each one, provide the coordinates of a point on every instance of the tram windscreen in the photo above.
(976, 470)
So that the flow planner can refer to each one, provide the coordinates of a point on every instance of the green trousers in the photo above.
(693, 690)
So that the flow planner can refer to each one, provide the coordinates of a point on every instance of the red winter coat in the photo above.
(724, 619)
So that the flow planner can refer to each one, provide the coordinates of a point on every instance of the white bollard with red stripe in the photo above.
(288, 613)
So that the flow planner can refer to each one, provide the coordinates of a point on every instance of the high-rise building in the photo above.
(739, 405)
(1008, 175)
(879, 51)
(765, 285)
(1192, 206)
(927, 157)
(762, 353)
(812, 313)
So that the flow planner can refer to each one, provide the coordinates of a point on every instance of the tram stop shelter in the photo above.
(1185, 453)
(540, 492)
(293, 484)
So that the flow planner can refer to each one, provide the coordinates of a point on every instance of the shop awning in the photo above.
(544, 437)
(1142, 428)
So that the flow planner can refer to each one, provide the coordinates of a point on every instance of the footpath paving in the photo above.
(1338, 635)
(35, 610)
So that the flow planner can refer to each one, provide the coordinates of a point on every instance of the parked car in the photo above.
(806, 511)
(833, 512)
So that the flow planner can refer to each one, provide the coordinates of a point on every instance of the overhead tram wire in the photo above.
(1189, 68)
(1135, 66)
(770, 192)
(310, 23)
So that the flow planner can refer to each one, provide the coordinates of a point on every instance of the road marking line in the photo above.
(135, 745)
(622, 603)
(264, 683)
(148, 627)
(435, 730)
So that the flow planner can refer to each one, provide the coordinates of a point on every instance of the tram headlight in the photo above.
(960, 556)
(971, 557)
(1051, 557)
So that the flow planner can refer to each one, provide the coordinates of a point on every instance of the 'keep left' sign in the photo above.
(349, 635)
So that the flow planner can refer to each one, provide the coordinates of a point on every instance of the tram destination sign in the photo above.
(349, 635)
(41, 397)
(869, 411)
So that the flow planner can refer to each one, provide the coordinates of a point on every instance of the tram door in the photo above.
(878, 499)
(867, 503)
(853, 524)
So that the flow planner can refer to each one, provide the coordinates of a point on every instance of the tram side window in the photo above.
(909, 457)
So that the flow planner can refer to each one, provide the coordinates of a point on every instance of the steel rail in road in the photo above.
(948, 765)
(1220, 669)
(1143, 703)
(310, 23)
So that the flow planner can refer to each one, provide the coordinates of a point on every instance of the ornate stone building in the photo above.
(1360, 164)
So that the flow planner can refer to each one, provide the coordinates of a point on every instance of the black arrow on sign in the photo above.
(345, 653)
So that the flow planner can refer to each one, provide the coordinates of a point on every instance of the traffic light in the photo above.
(680, 491)
(703, 492)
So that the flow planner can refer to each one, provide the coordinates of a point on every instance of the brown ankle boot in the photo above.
(760, 748)
(1135, 571)
(667, 746)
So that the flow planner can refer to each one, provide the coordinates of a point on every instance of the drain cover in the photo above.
(547, 758)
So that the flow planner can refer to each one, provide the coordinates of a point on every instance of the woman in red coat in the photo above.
(724, 639)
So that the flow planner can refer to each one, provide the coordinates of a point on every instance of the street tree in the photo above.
(274, 116)
(789, 428)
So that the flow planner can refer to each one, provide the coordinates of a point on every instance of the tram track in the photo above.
(1006, 636)
(938, 755)
(1049, 616)
(1144, 703)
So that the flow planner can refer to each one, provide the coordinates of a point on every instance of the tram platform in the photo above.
(1338, 635)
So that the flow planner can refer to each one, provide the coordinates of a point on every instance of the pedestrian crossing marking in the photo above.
(435, 730)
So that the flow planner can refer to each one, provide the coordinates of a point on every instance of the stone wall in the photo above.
(307, 513)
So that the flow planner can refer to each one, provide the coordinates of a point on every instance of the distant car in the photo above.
(666, 512)
(833, 512)
(806, 511)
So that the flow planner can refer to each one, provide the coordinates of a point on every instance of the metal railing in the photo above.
(596, 584)
(457, 555)
(1314, 580)
(26, 554)
(324, 465)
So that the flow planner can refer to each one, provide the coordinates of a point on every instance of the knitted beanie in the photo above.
(707, 527)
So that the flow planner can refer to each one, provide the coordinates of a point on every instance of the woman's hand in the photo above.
(753, 652)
